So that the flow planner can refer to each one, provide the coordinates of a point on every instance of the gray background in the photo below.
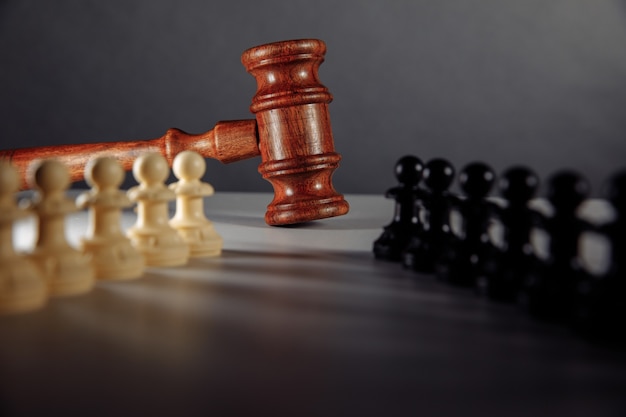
(534, 82)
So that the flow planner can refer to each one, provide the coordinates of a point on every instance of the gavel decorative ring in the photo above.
(291, 133)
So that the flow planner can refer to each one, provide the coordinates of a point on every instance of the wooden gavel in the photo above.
(291, 133)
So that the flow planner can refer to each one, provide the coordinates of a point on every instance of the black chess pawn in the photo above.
(395, 236)
(550, 287)
(511, 265)
(600, 308)
(433, 206)
(463, 261)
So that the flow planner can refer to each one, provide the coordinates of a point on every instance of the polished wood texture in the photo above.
(291, 132)
(227, 142)
(296, 141)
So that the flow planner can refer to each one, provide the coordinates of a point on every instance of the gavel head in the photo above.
(295, 138)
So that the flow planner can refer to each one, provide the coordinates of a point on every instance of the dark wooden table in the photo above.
(295, 321)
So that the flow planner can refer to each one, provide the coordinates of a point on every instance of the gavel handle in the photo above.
(228, 141)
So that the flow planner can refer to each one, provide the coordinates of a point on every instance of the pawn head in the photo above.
(104, 172)
(151, 169)
(409, 170)
(9, 178)
(50, 175)
(438, 175)
(518, 184)
(476, 180)
(567, 190)
(189, 166)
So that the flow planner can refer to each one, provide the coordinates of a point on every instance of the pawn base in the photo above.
(115, 259)
(391, 243)
(23, 288)
(68, 272)
(203, 241)
(419, 260)
(162, 247)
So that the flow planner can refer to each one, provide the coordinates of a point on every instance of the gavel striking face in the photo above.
(291, 133)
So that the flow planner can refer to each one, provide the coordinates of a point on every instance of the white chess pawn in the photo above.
(189, 219)
(114, 257)
(22, 285)
(156, 240)
(68, 271)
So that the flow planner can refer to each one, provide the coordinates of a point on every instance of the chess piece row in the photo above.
(421, 236)
(55, 268)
